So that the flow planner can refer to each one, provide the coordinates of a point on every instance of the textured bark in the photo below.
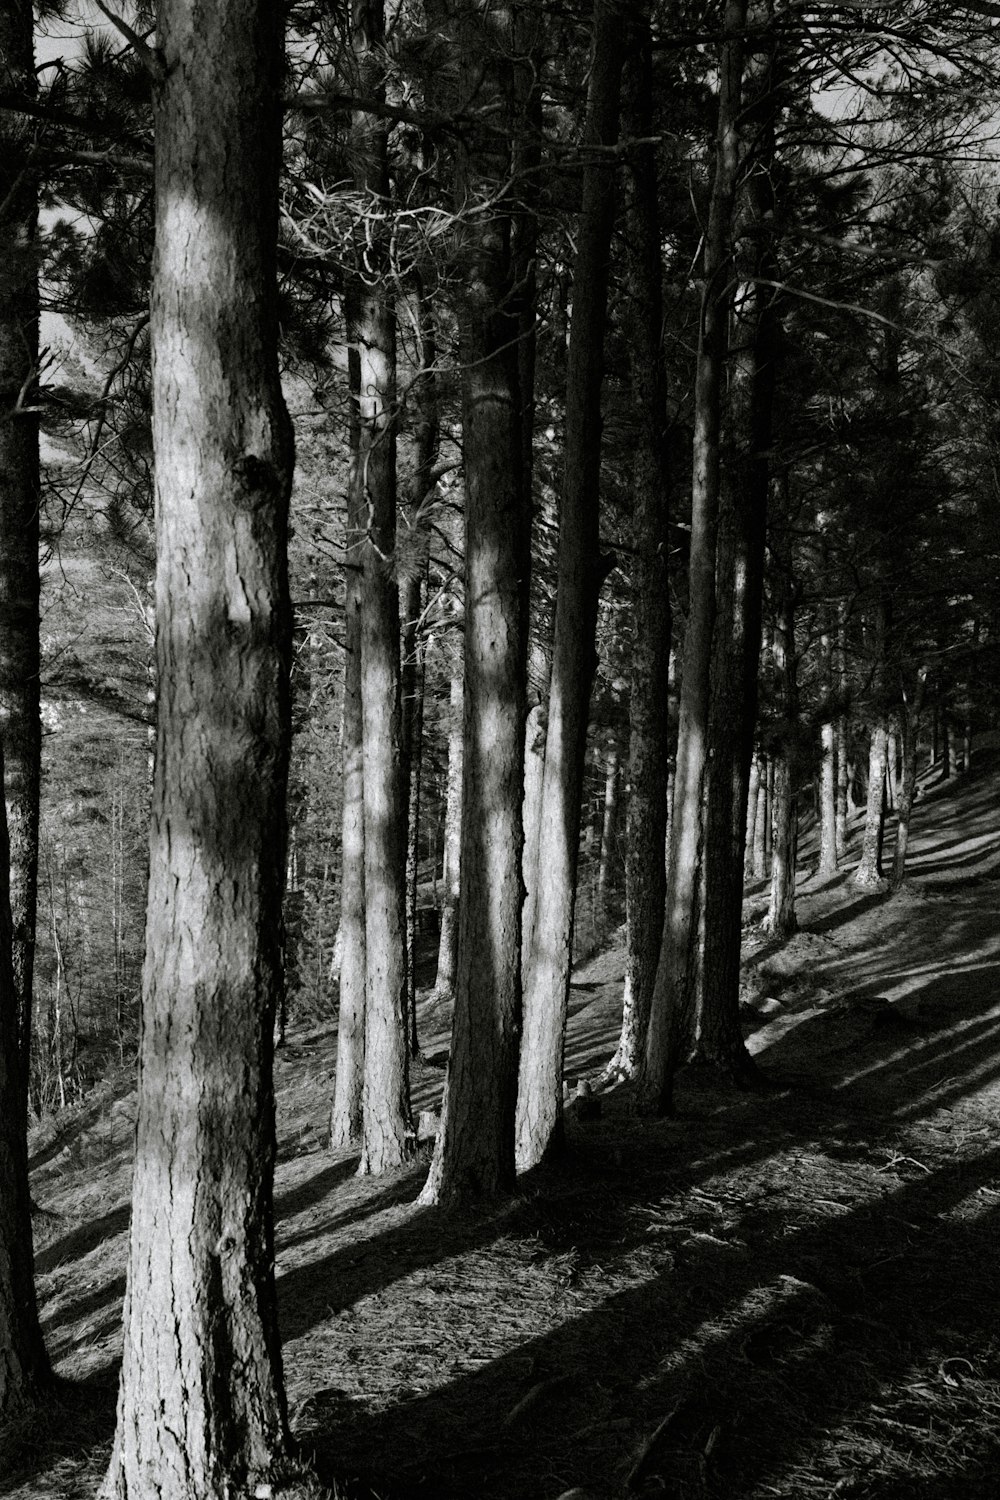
(760, 837)
(346, 1111)
(20, 726)
(24, 1369)
(200, 1301)
(674, 990)
(579, 576)
(448, 943)
(387, 1137)
(646, 813)
(474, 1152)
(891, 769)
(717, 1035)
(869, 869)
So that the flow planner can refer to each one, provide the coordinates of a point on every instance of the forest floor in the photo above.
(786, 1293)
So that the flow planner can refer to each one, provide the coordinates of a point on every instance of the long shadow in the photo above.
(843, 914)
(751, 1347)
(303, 1195)
(79, 1242)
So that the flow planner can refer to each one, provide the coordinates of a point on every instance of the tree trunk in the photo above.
(890, 769)
(739, 585)
(20, 494)
(474, 1152)
(673, 1001)
(945, 747)
(646, 814)
(609, 824)
(580, 575)
(426, 435)
(841, 728)
(200, 1301)
(781, 920)
(346, 1112)
(910, 732)
(413, 681)
(387, 1134)
(448, 944)
(24, 1367)
(763, 817)
(869, 870)
(828, 774)
(753, 795)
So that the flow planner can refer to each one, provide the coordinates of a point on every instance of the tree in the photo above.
(674, 993)
(739, 574)
(474, 1152)
(24, 1367)
(387, 1133)
(646, 817)
(346, 1111)
(20, 498)
(200, 1300)
(581, 572)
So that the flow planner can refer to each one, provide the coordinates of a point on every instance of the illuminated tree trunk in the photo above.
(474, 1151)
(387, 1136)
(448, 941)
(346, 1112)
(200, 1301)
(574, 660)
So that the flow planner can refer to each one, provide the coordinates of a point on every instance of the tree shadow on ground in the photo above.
(750, 1341)
(82, 1240)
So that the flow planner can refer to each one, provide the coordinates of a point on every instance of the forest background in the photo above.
(623, 351)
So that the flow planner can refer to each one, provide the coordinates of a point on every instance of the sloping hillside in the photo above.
(790, 1293)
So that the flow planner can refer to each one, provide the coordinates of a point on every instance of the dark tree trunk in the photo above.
(574, 660)
(674, 998)
(781, 919)
(909, 734)
(717, 1036)
(426, 435)
(200, 1303)
(646, 815)
(24, 1368)
(474, 1153)
(387, 1136)
(448, 943)
(20, 494)
(346, 1113)
(609, 829)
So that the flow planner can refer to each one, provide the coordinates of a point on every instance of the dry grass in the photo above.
(791, 1293)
